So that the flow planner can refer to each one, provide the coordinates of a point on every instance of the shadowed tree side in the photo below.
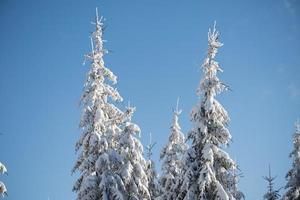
(271, 194)
(153, 186)
(236, 193)
(293, 176)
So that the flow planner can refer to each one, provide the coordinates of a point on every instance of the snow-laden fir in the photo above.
(133, 171)
(153, 186)
(293, 176)
(171, 157)
(271, 194)
(3, 190)
(110, 162)
(208, 170)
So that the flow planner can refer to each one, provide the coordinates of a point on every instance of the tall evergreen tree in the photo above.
(100, 161)
(271, 194)
(153, 186)
(293, 175)
(207, 166)
(171, 156)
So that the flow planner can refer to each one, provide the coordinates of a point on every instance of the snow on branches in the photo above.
(208, 168)
(153, 185)
(108, 148)
(293, 175)
(171, 156)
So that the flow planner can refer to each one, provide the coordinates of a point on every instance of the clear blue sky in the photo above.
(157, 49)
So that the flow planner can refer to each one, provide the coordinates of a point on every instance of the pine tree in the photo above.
(208, 167)
(3, 190)
(133, 170)
(271, 194)
(153, 186)
(293, 176)
(171, 156)
(99, 160)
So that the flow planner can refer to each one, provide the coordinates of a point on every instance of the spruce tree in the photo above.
(171, 156)
(153, 186)
(102, 124)
(208, 167)
(293, 176)
(271, 194)
(134, 166)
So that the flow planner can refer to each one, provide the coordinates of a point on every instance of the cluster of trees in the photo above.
(111, 161)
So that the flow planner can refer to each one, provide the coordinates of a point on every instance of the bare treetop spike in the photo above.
(177, 111)
(97, 16)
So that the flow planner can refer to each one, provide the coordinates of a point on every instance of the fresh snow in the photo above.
(208, 169)
(293, 176)
(110, 161)
(171, 156)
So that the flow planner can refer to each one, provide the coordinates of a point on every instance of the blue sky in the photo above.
(157, 49)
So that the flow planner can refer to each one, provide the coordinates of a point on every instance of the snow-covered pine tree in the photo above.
(3, 190)
(99, 161)
(171, 156)
(133, 170)
(293, 175)
(207, 166)
(271, 194)
(153, 186)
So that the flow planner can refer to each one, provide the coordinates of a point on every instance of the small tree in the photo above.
(293, 176)
(133, 170)
(207, 165)
(151, 171)
(271, 194)
(171, 156)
